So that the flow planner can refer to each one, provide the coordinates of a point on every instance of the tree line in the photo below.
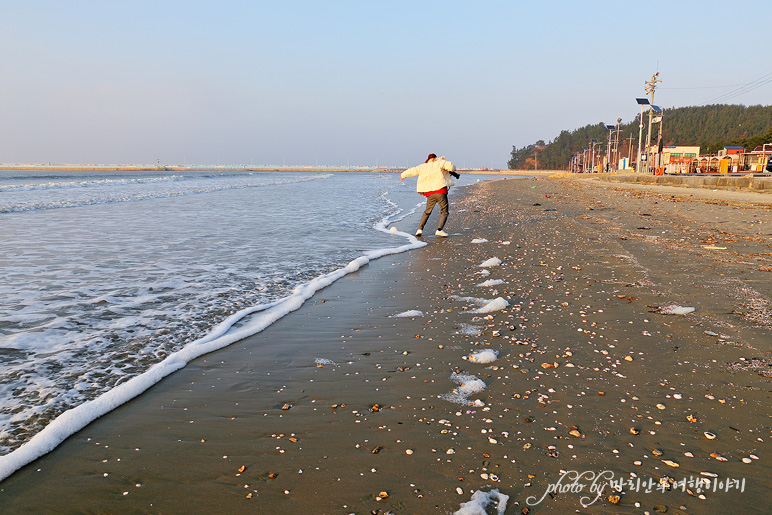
(710, 127)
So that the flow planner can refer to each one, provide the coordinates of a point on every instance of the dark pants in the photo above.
(431, 200)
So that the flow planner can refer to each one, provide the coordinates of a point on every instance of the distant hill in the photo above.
(711, 127)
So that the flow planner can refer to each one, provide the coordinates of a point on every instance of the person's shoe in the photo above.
(441, 233)
(419, 232)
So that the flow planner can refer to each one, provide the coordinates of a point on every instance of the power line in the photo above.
(741, 89)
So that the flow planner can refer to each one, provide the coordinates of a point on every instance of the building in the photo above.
(679, 159)
(756, 160)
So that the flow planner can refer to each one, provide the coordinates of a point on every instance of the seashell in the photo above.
(677, 396)
(691, 418)
(670, 463)
(661, 406)
(689, 454)
(575, 433)
(709, 435)
(635, 431)
(459, 491)
(450, 451)
(747, 460)
(614, 499)
(709, 474)
(628, 358)
(753, 456)
(657, 452)
(286, 406)
(637, 463)
(381, 496)
(408, 451)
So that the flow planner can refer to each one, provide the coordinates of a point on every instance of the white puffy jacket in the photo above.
(432, 176)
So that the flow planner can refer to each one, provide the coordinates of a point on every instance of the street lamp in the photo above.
(594, 142)
(641, 102)
(610, 129)
(660, 115)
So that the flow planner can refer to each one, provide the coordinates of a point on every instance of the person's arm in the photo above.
(410, 172)
(450, 168)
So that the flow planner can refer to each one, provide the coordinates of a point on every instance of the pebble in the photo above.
(409, 451)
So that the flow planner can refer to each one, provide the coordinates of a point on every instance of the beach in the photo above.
(616, 335)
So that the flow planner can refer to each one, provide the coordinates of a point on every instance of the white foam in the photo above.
(469, 330)
(468, 385)
(494, 261)
(480, 500)
(676, 310)
(496, 304)
(409, 314)
(484, 356)
(491, 282)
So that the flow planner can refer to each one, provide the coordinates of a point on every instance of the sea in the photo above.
(113, 280)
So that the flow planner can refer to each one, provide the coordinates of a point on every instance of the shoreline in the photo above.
(586, 267)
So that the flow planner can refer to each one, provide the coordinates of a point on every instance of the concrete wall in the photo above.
(726, 182)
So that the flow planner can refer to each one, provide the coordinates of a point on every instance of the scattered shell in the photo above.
(450, 451)
(286, 406)
(709, 435)
(709, 474)
(575, 433)
(408, 451)
(670, 463)
(747, 460)
(635, 431)
(628, 358)
(459, 491)
(689, 454)
(637, 463)
(381, 496)
(242, 468)
(657, 452)
(691, 418)
(660, 406)
(614, 499)
(717, 456)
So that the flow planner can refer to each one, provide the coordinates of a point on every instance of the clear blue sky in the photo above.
(354, 82)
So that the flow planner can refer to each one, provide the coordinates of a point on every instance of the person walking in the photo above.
(433, 183)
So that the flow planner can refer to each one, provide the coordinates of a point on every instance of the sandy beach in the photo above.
(633, 349)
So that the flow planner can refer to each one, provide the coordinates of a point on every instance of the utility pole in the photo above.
(649, 89)
(630, 150)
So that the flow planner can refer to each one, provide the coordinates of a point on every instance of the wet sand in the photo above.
(341, 401)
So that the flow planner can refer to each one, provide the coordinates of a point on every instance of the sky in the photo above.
(355, 83)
